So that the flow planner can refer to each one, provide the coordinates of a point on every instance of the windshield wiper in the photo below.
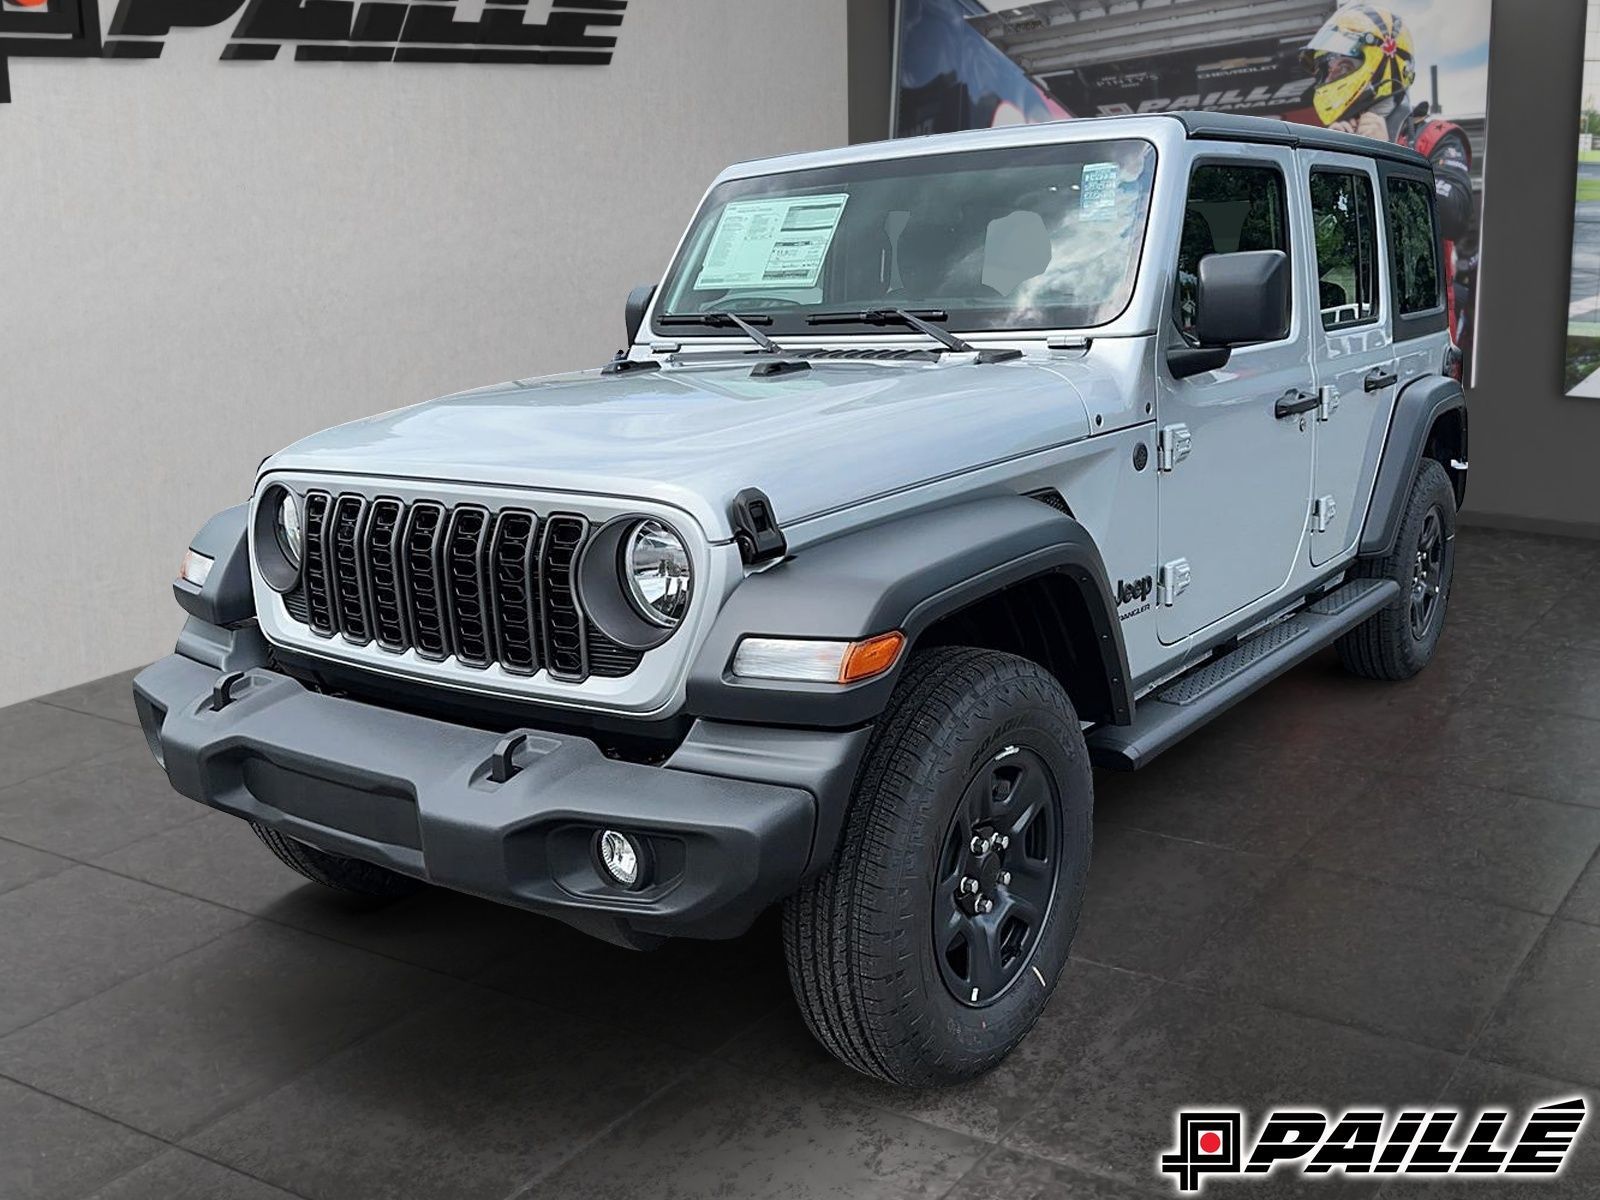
(729, 320)
(921, 321)
(747, 326)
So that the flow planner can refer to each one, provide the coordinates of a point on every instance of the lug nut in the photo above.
(1002, 841)
(969, 886)
(980, 845)
(1005, 877)
(986, 905)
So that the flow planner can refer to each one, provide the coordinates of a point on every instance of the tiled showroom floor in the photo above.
(1342, 892)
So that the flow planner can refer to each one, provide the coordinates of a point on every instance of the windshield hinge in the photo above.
(755, 528)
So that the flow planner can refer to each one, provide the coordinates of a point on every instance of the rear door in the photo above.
(1235, 479)
(1352, 343)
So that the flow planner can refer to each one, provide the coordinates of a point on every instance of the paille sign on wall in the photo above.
(321, 30)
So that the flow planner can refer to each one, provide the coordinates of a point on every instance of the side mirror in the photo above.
(1243, 299)
(638, 301)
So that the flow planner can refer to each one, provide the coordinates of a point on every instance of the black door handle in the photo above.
(1294, 402)
(1378, 379)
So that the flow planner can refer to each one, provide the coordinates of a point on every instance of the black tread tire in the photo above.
(336, 872)
(856, 937)
(1383, 646)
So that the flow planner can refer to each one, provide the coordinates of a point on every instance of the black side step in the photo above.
(1165, 717)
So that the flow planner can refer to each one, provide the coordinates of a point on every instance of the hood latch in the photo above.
(755, 528)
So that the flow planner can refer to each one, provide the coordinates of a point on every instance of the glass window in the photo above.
(1230, 209)
(1037, 237)
(1415, 249)
(1345, 217)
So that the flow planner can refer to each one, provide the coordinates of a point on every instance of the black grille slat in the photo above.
(607, 659)
(318, 585)
(424, 534)
(346, 574)
(513, 573)
(466, 589)
(485, 587)
(561, 624)
(385, 588)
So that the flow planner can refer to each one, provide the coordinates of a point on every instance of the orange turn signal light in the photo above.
(870, 657)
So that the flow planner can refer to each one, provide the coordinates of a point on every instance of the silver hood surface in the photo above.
(695, 434)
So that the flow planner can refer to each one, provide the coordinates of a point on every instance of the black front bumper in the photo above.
(419, 796)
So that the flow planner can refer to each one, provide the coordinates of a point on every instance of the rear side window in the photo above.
(1345, 216)
(1230, 208)
(1415, 250)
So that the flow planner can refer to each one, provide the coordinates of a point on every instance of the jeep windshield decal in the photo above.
(1039, 237)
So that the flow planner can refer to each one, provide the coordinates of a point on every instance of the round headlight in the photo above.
(655, 567)
(291, 538)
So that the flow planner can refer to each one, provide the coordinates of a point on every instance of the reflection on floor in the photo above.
(1342, 893)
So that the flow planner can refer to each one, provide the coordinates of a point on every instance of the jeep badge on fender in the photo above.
(806, 598)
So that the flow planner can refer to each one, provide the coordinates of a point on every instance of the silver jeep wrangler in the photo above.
(934, 472)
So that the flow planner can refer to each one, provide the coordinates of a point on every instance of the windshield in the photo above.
(1041, 237)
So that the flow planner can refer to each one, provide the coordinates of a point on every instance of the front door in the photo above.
(1352, 345)
(1232, 512)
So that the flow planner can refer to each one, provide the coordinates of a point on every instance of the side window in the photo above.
(1345, 217)
(1415, 250)
(1230, 208)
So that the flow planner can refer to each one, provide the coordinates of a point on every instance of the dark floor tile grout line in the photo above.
(165, 1142)
(82, 762)
(989, 1151)
(1512, 980)
(272, 1089)
(695, 1067)
(10, 1033)
(472, 980)
(254, 916)
(1498, 790)
(83, 712)
(1415, 889)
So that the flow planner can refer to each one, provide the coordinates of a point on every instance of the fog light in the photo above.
(621, 858)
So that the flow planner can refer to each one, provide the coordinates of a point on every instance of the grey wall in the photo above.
(1533, 449)
(204, 261)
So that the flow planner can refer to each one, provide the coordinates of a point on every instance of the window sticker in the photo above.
(1098, 190)
(771, 243)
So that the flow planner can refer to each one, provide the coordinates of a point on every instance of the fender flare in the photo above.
(1419, 407)
(227, 598)
(903, 574)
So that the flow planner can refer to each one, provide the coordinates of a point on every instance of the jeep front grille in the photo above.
(483, 587)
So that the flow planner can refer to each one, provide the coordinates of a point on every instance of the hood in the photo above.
(696, 434)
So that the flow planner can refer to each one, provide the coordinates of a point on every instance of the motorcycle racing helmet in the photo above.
(1362, 55)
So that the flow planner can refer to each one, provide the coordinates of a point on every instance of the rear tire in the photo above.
(1398, 641)
(899, 970)
(336, 872)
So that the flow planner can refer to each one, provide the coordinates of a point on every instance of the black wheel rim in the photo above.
(1427, 574)
(998, 872)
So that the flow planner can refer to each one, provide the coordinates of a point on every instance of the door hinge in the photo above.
(1327, 402)
(1323, 509)
(1172, 446)
(1175, 577)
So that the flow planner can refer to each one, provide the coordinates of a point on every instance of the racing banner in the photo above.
(1583, 303)
(1408, 71)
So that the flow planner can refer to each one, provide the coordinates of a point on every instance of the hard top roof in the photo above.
(1197, 126)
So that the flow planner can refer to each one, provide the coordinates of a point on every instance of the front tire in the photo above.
(977, 774)
(1398, 641)
(335, 871)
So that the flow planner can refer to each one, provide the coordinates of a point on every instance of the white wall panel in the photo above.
(202, 261)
